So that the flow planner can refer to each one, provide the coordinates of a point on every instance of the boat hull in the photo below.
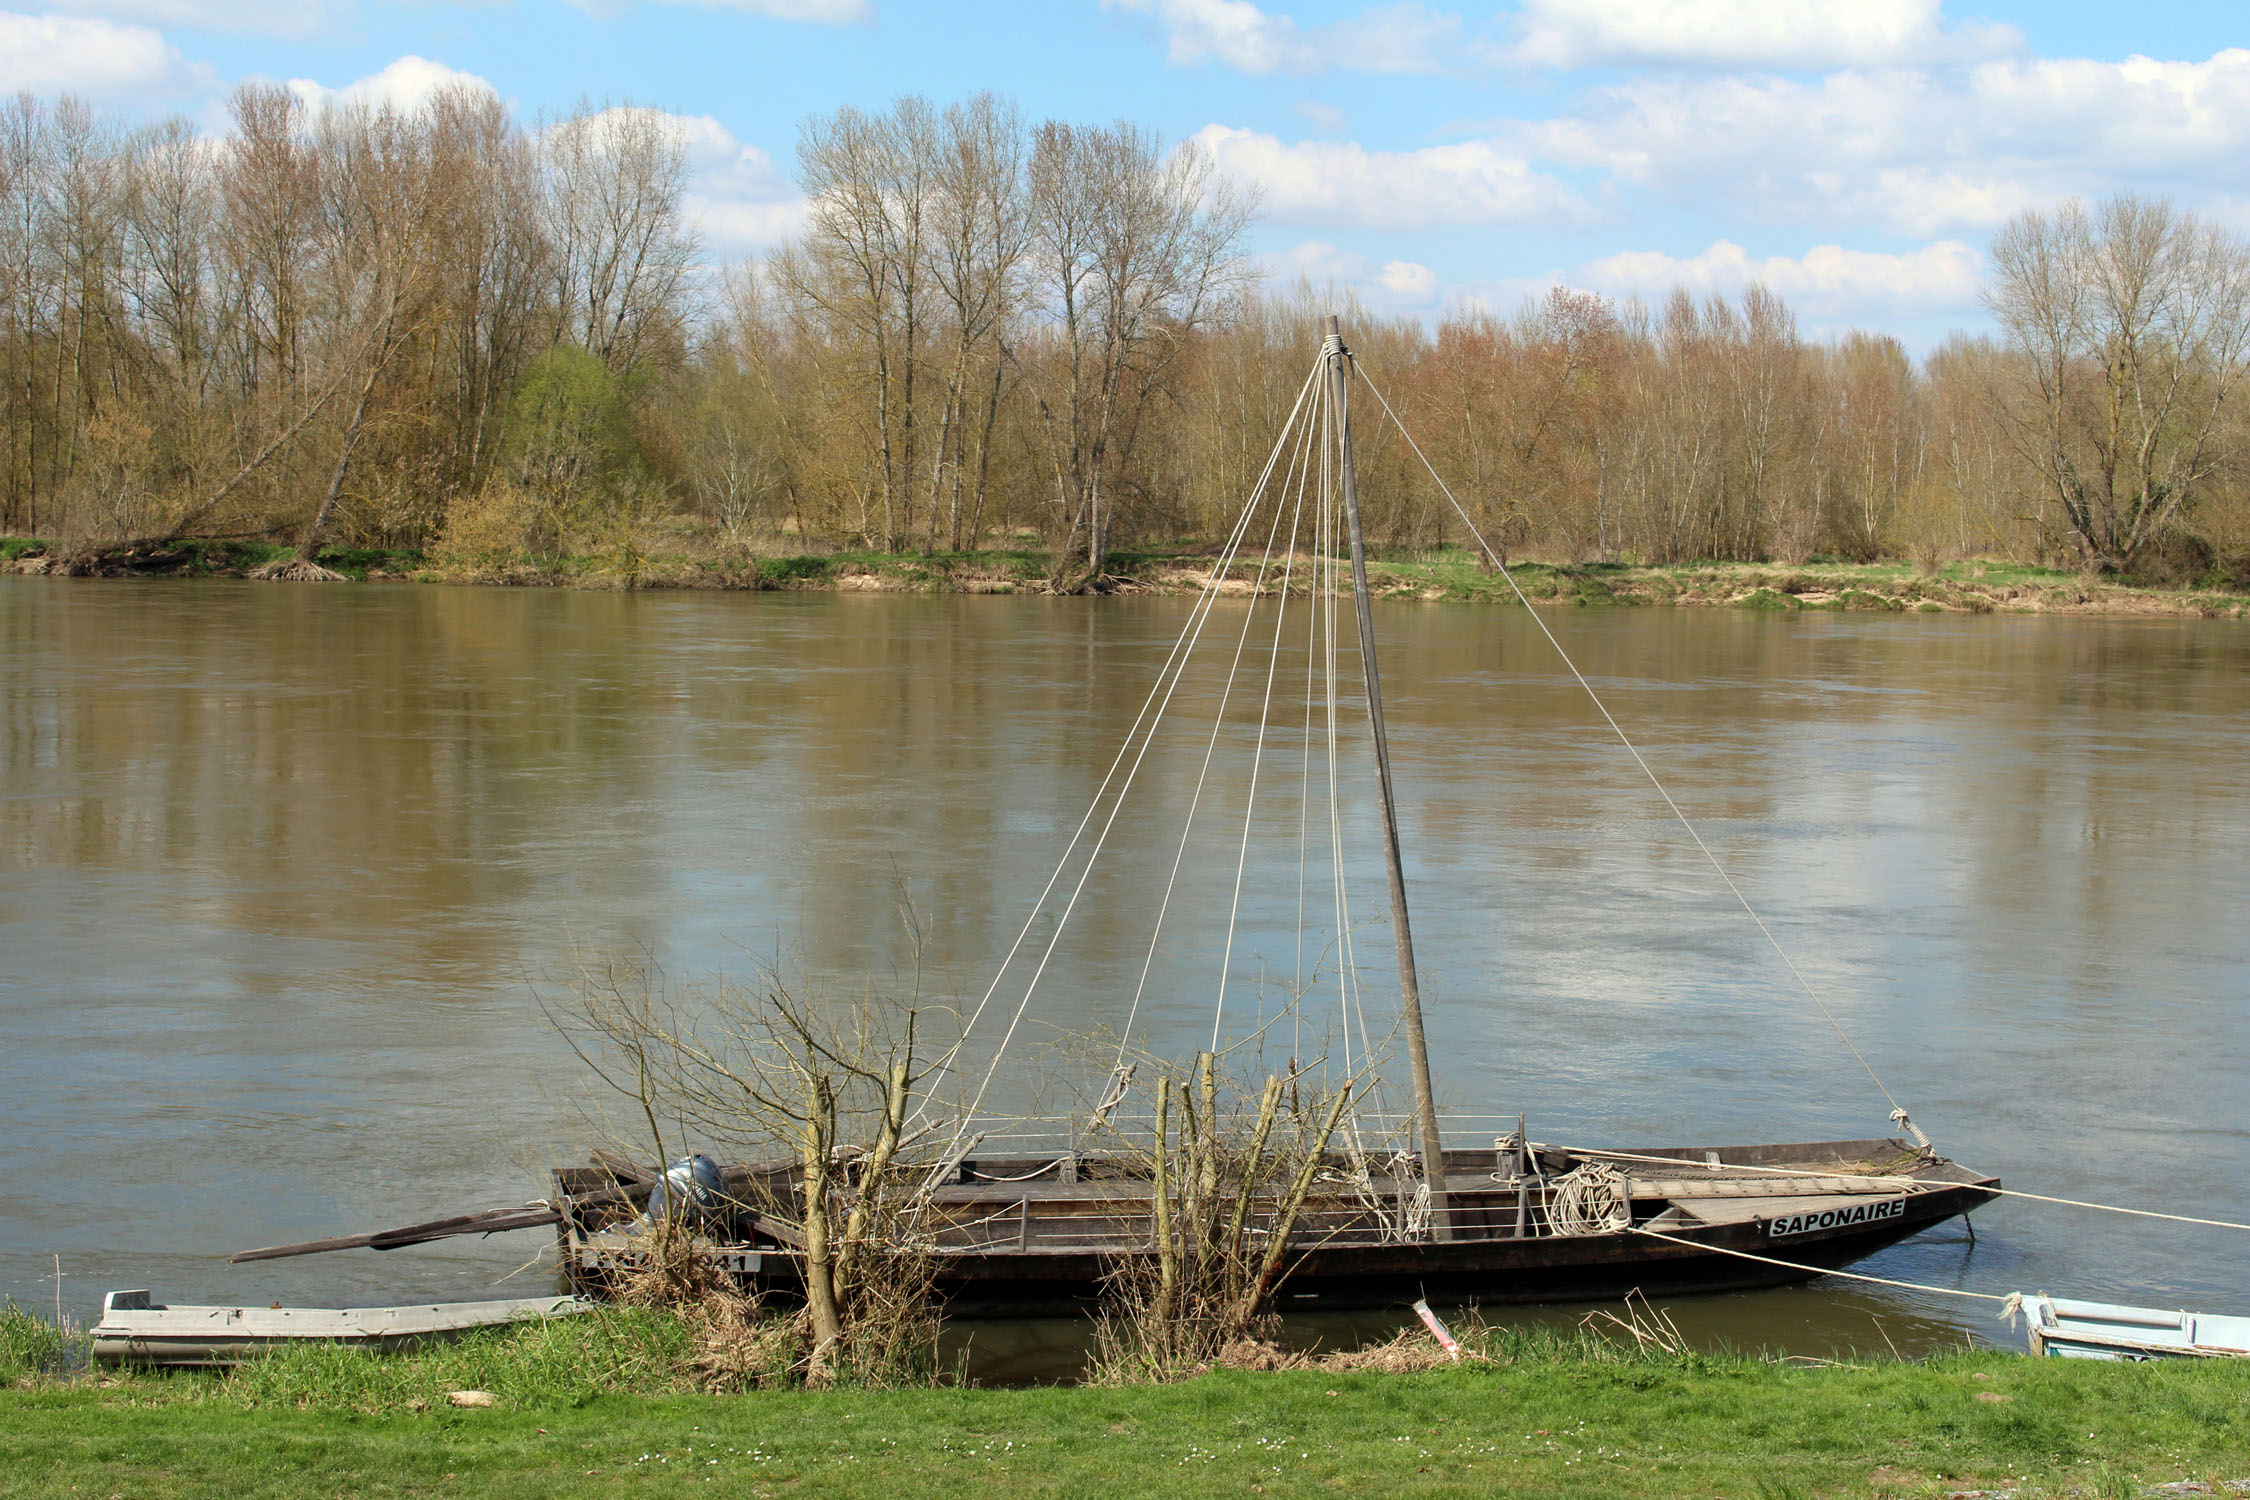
(1695, 1229)
(2066, 1329)
(1497, 1272)
(133, 1330)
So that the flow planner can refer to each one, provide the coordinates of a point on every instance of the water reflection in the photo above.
(281, 867)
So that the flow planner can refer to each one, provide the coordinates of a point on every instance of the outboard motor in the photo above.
(690, 1188)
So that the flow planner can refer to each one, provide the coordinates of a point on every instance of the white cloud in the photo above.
(268, 17)
(1835, 287)
(1316, 262)
(736, 197)
(1410, 281)
(1826, 281)
(1408, 37)
(1796, 34)
(1342, 182)
(1399, 38)
(818, 12)
(100, 59)
(1917, 151)
(406, 85)
(1394, 289)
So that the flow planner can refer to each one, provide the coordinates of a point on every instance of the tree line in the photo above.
(443, 328)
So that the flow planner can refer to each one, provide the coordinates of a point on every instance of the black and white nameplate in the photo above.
(1836, 1218)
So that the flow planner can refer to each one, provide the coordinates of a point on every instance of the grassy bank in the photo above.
(1444, 575)
(597, 1406)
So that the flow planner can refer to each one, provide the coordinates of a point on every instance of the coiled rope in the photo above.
(1592, 1198)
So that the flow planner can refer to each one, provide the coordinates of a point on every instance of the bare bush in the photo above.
(815, 1085)
(1228, 1183)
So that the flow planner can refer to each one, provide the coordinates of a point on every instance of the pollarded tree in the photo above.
(2132, 323)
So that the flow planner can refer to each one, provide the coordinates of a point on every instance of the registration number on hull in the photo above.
(1836, 1218)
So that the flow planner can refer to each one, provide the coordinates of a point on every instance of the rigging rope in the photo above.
(1210, 750)
(1591, 1198)
(1258, 754)
(1351, 1000)
(1167, 680)
(1631, 748)
(1176, 664)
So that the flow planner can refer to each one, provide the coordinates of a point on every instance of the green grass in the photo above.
(601, 1406)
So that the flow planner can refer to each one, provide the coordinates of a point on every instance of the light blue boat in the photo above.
(2065, 1329)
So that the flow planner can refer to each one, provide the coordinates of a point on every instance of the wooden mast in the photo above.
(1402, 933)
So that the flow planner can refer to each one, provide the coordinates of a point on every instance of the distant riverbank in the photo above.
(1973, 586)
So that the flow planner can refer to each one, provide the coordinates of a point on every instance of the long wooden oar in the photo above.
(490, 1221)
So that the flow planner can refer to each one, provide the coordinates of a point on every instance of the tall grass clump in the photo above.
(557, 1362)
(30, 1346)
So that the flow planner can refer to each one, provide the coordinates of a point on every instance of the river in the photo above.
(286, 872)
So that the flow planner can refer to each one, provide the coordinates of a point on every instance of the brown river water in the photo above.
(286, 870)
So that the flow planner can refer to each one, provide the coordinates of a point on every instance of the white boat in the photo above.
(134, 1330)
(2066, 1329)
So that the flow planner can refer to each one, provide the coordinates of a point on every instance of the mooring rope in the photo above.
(1626, 740)
(1793, 1265)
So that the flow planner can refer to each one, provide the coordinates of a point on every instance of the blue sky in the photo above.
(1855, 154)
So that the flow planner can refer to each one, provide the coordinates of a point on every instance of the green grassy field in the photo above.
(601, 1406)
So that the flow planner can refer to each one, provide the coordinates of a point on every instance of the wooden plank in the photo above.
(623, 1168)
(772, 1228)
(1683, 1188)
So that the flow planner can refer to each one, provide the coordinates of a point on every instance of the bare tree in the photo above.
(981, 232)
(1134, 251)
(2132, 323)
(376, 221)
(26, 169)
(622, 251)
(874, 184)
(788, 1074)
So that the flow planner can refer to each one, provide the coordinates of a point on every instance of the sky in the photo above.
(1855, 155)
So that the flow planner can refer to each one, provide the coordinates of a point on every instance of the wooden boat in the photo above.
(2065, 1329)
(1030, 1236)
(134, 1330)
(1018, 1233)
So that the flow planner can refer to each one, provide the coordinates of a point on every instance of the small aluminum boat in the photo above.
(2066, 1329)
(134, 1330)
